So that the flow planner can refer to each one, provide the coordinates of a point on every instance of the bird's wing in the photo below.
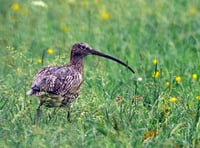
(59, 80)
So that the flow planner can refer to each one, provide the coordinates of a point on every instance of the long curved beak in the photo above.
(94, 52)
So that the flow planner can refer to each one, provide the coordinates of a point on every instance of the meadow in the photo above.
(158, 106)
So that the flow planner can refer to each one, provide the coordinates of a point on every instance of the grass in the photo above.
(148, 111)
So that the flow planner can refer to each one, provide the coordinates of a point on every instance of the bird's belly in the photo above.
(51, 101)
(57, 100)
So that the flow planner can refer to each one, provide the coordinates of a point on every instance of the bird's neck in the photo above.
(77, 63)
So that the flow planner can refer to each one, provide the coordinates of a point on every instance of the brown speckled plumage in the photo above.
(58, 86)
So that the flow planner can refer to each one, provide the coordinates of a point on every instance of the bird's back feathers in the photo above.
(56, 80)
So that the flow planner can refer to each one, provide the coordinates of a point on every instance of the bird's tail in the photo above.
(30, 92)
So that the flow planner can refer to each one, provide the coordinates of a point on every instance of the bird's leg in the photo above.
(68, 116)
(38, 113)
(69, 112)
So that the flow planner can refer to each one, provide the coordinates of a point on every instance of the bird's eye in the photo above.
(82, 46)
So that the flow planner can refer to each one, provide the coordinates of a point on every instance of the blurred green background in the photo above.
(156, 107)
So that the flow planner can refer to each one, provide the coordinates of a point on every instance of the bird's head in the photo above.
(80, 50)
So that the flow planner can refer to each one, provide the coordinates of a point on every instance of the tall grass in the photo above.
(156, 107)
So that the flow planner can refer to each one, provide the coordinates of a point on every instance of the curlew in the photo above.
(59, 86)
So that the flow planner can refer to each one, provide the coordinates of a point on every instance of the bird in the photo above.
(59, 86)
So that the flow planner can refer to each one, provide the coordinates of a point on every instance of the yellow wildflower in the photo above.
(155, 61)
(192, 10)
(15, 7)
(64, 28)
(39, 61)
(156, 74)
(194, 76)
(198, 98)
(172, 99)
(178, 79)
(167, 83)
(105, 15)
(50, 51)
